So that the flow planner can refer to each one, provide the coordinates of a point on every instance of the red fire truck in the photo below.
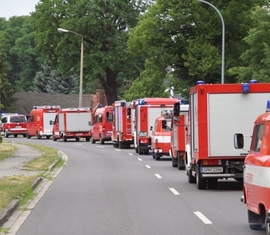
(216, 112)
(72, 123)
(145, 113)
(39, 121)
(102, 125)
(257, 171)
(179, 134)
(121, 127)
(161, 135)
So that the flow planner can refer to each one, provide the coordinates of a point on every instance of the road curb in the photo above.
(6, 213)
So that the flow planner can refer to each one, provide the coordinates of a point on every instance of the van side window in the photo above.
(257, 133)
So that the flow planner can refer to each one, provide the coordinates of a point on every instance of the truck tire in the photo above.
(174, 162)
(191, 178)
(267, 227)
(77, 139)
(54, 138)
(6, 134)
(201, 183)
(158, 156)
(28, 136)
(93, 141)
(180, 162)
(101, 140)
(15, 135)
(65, 139)
(136, 149)
(48, 137)
(87, 139)
(38, 136)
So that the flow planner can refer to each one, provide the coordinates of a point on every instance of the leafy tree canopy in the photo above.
(104, 27)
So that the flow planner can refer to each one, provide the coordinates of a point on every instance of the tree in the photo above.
(23, 59)
(50, 81)
(104, 27)
(187, 35)
(257, 57)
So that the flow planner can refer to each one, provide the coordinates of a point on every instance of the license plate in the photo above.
(18, 127)
(211, 169)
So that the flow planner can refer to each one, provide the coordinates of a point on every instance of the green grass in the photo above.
(19, 187)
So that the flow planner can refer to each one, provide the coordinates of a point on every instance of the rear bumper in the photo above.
(16, 131)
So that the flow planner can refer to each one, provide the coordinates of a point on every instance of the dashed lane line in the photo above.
(202, 217)
(174, 191)
(147, 166)
(139, 159)
(131, 154)
(158, 176)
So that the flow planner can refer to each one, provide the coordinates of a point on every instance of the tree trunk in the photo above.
(109, 84)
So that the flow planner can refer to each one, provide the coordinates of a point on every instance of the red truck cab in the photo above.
(102, 125)
(161, 135)
(256, 188)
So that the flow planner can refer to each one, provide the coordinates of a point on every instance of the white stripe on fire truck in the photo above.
(163, 139)
(257, 175)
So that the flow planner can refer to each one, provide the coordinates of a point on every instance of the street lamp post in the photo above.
(223, 40)
(81, 63)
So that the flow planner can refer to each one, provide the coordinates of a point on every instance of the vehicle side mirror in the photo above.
(238, 141)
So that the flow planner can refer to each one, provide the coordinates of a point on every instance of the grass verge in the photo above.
(19, 187)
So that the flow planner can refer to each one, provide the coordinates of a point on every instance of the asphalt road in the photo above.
(103, 190)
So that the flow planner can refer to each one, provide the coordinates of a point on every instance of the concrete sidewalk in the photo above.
(14, 165)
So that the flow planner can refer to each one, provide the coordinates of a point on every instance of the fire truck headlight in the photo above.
(142, 133)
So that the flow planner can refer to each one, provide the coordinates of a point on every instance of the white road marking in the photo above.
(147, 166)
(202, 217)
(139, 159)
(99, 147)
(117, 150)
(130, 154)
(174, 191)
(158, 176)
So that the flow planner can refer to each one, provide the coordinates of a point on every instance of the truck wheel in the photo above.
(136, 149)
(28, 136)
(24, 135)
(255, 226)
(153, 155)
(48, 137)
(77, 139)
(65, 139)
(38, 136)
(101, 140)
(212, 184)
(146, 152)
(6, 134)
(267, 228)
(191, 178)
(120, 145)
(157, 156)
(87, 139)
(180, 162)
(54, 138)
(139, 151)
(174, 162)
(15, 135)
(201, 183)
(93, 141)
(254, 221)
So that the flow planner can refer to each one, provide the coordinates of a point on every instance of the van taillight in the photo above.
(211, 162)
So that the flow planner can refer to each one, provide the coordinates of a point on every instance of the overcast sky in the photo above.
(10, 8)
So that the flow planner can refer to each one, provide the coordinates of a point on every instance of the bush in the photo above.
(1, 139)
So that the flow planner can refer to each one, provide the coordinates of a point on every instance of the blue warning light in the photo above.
(245, 87)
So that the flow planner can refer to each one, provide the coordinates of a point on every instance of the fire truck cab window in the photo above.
(166, 125)
(258, 132)
(4, 120)
(99, 118)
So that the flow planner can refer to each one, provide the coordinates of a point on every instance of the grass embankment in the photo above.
(19, 187)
